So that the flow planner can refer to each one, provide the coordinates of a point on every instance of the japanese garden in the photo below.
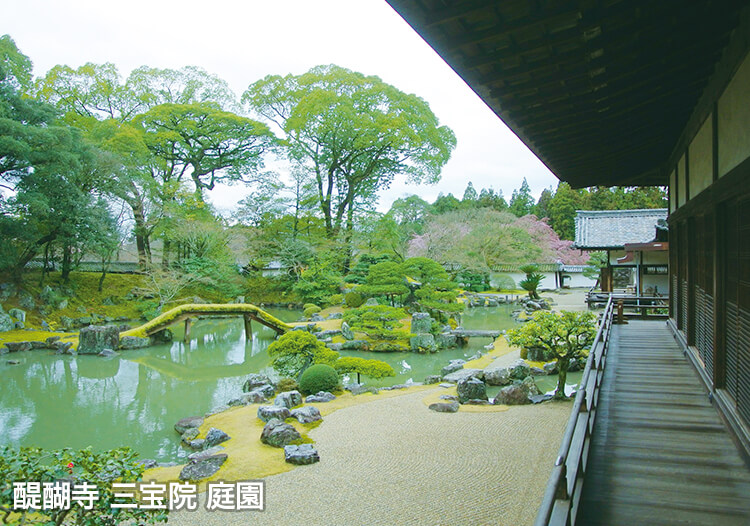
(147, 336)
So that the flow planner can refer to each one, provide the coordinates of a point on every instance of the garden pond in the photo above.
(55, 401)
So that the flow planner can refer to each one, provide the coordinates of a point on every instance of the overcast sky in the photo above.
(242, 41)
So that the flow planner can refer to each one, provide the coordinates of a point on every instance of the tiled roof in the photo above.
(613, 228)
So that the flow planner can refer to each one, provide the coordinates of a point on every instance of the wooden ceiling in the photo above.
(599, 90)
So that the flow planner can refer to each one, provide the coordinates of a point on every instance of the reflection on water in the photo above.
(55, 401)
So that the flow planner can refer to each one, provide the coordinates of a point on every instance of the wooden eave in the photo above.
(599, 90)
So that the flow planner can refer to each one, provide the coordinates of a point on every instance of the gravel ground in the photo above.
(394, 462)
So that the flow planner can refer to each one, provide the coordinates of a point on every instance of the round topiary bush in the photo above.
(318, 377)
(353, 299)
(310, 309)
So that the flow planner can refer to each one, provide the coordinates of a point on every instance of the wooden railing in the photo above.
(563, 493)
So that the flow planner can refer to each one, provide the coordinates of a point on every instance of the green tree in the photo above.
(295, 351)
(564, 336)
(470, 195)
(562, 210)
(379, 322)
(489, 199)
(208, 144)
(445, 203)
(521, 202)
(541, 209)
(375, 369)
(353, 133)
(385, 279)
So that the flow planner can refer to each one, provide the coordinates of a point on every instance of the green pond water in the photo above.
(55, 401)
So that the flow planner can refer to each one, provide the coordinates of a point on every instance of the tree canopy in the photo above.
(353, 133)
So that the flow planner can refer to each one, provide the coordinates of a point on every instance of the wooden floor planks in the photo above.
(660, 453)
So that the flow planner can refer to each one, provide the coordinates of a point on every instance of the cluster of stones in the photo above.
(209, 456)
(49, 299)
(257, 389)
(487, 300)
(530, 306)
(471, 385)
(94, 339)
(278, 433)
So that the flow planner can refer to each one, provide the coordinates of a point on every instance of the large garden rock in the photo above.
(307, 414)
(446, 340)
(471, 389)
(421, 322)
(347, 331)
(288, 399)
(497, 376)
(93, 340)
(462, 374)
(266, 390)
(255, 380)
(200, 455)
(204, 468)
(301, 455)
(355, 345)
(186, 423)
(279, 434)
(530, 386)
(550, 368)
(423, 343)
(6, 322)
(519, 370)
(18, 346)
(269, 412)
(536, 371)
(190, 434)
(433, 379)
(134, 342)
(215, 436)
(253, 397)
(18, 314)
(518, 393)
(454, 365)
(444, 407)
(320, 397)
(513, 394)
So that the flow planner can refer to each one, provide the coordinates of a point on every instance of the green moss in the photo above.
(303, 440)
(177, 313)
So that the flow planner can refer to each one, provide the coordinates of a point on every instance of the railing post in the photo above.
(188, 322)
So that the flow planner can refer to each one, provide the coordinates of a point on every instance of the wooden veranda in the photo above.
(645, 444)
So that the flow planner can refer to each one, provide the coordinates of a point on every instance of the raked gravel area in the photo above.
(394, 462)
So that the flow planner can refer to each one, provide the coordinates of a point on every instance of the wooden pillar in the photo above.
(248, 327)
(188, 323)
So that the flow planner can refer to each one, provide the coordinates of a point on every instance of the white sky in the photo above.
(242, 41)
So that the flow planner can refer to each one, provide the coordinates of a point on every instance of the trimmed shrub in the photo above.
(287, 384)
(295, 350)
(336, 299)
(353, 299)
(310, 310)
(319, 377)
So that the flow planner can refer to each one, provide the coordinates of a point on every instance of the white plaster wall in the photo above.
(734, 114)
(701, 159)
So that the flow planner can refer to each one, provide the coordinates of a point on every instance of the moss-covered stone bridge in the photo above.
(186, 313)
